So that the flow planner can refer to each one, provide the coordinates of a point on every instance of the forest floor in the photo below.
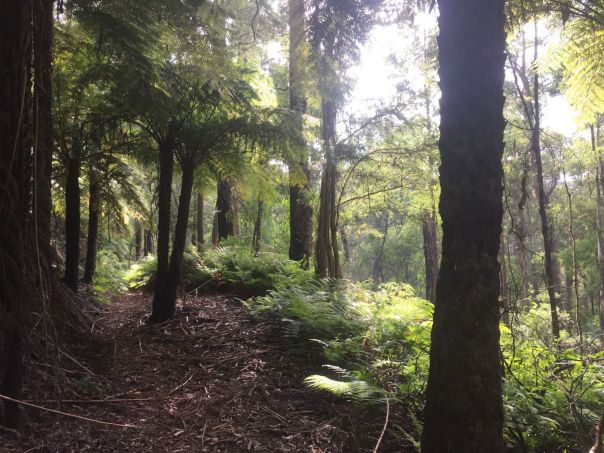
(209, 380)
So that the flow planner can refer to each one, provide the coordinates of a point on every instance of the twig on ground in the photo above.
(377, 446)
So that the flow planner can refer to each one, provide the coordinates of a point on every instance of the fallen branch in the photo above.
(377, 446)
(23, 403)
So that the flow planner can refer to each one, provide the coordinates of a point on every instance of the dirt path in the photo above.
(209, 380)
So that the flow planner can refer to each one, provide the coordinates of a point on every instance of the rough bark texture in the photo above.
(599, 229)
(15, 186)
(148, 243)
(225, 222)
(430, 253)
(326, 247)
(166, 170)
(552, 271)
(94, 211)
(72, 224)
(199, 220)
(300, 211)
(166, 295)
(43, 38)
(138, 240)
(464, 409)
(257, 235)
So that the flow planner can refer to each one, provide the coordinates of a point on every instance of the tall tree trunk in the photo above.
(43, 38)
(72, 223)
(571, 231)
(138, 240)
(464, 408)
(199, 221)
(257, 235)
(520, 234)
(166, 170)
(599, 227)
(300, 211)
(326, 246)
(504, 286)
(225, 223)
(167, 298)
(430, 253)
(148, 243)
(345, 244)
(15, 186)
(94, 211)
(378, 265)
(552, 275)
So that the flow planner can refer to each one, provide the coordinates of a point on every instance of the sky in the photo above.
(376, 80)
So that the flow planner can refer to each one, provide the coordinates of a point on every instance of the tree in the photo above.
(15, 186)
(300, 211)
(464, 410)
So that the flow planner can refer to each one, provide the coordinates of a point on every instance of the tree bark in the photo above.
(166, 170)
(148, 243)
(72, 224)
(378, 265)
(551, 268)
(199, 221)
(138, 240)
(464, 408)
(166, 296)
(43, 39)
(599, 228)
(15, 187)
(257, 235)
(326, 246)
(430, 253)
(225, 222)
(300, 211)
(94, 211)
(345, 244)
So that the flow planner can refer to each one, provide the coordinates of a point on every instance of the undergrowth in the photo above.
(376, 345)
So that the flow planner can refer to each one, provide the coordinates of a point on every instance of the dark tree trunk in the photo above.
(148, 243)
(166, 298)
(504, 285)
(138, 240)
(43, 38)
(199, 221)
(72, 224)
(326, 246)
(464, 408)
(599, 229)
(378, 266)
(15, 186)
(520, 233)
(225, 223)
(166, 170)
(94, 211)
(552, 274)
(257, 235)
(430, 253)
(300, 211)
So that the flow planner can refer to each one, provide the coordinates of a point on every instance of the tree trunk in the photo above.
(15, 187)
(464, 408)
(148, 243)
(345, 244)
(326, 246)
(378, 265)
(43, 38)
(138, 240)
(166, 170)
(225, 224)
(520, 234)
(94, 210)
(430, 253)
(257, 235)
(199, 221)
(166, 299)
(72, 224)
(504, 286)
(300, 211)
(599, 228)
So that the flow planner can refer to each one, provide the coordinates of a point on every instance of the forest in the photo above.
(302, 226)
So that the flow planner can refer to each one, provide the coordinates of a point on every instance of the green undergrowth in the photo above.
(230, 269)
(375, 345)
